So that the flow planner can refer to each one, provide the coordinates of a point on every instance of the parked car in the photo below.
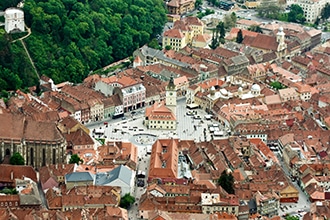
(197, 117)
(191, 113)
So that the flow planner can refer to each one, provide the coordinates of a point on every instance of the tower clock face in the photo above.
(171, 93)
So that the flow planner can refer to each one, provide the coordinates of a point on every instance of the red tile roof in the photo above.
(173, 33)
(164, 159)
(11, 172)
(261, 41)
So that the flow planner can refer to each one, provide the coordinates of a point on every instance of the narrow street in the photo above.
(303, 202)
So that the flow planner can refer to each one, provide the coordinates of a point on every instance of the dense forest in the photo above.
(70, 38)
(15, 69)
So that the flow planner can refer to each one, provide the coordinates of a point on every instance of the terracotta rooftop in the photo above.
(159, 111)
(11, 172)
(261, 41)
(164, 159)
(17, 127)
(173, 33)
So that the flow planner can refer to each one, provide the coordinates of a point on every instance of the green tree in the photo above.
(75, 159)
(276, 85)
(214, 42)
(154, 44)
(126, 201)
(221, 29)
(168, 47)
(16, 159)
(255, 28)
(72, 37)
(325, 13)
(233, 17)
(290, 217)
(269, 9)
(226, 181)
(239, 37)
(230, 21)
(296, 14)
(198, 3)
(9, 191)
(8, 3)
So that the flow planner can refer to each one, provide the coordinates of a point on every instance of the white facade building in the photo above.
(134, 97)
(131, 93)
(14, 20)
(312, 8)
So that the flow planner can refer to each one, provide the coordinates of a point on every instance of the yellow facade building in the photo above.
(180, 7)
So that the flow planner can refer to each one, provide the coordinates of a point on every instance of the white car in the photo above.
(208, 117)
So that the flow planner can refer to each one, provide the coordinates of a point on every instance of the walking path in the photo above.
(32, 63)
(26, 51)
(25, 36)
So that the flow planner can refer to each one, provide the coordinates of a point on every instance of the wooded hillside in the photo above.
(70, 38)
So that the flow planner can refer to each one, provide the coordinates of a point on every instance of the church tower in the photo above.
(171, 95)
(280, 39)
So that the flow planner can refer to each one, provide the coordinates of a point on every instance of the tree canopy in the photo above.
(291, 217)
(15, 69)
(255, 28)
(269, 9)
(239, 37)
(126, 201)
(75, 159)
(8, 3)
(218, 35)
(275, 11)
(230, 21)
(70, 38)
(16, 159)
(325, 13)
(276, 85)
(296, 14)
(226, 181)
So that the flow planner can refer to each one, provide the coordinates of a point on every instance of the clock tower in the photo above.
(171, 95)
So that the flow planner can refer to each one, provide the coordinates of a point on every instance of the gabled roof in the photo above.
(78, 177)
(262, 41)
(173, 33)
(79, 137)
(122, 172)
(137, 59)
(289, 189)
(202, 38)
(11, 172)
(248, 22)
(19, 127)
(159, 111)
(163, 160)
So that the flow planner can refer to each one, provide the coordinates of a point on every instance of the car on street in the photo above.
(208, 117)
(197, 117)
(123, 118)
(191, 113)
